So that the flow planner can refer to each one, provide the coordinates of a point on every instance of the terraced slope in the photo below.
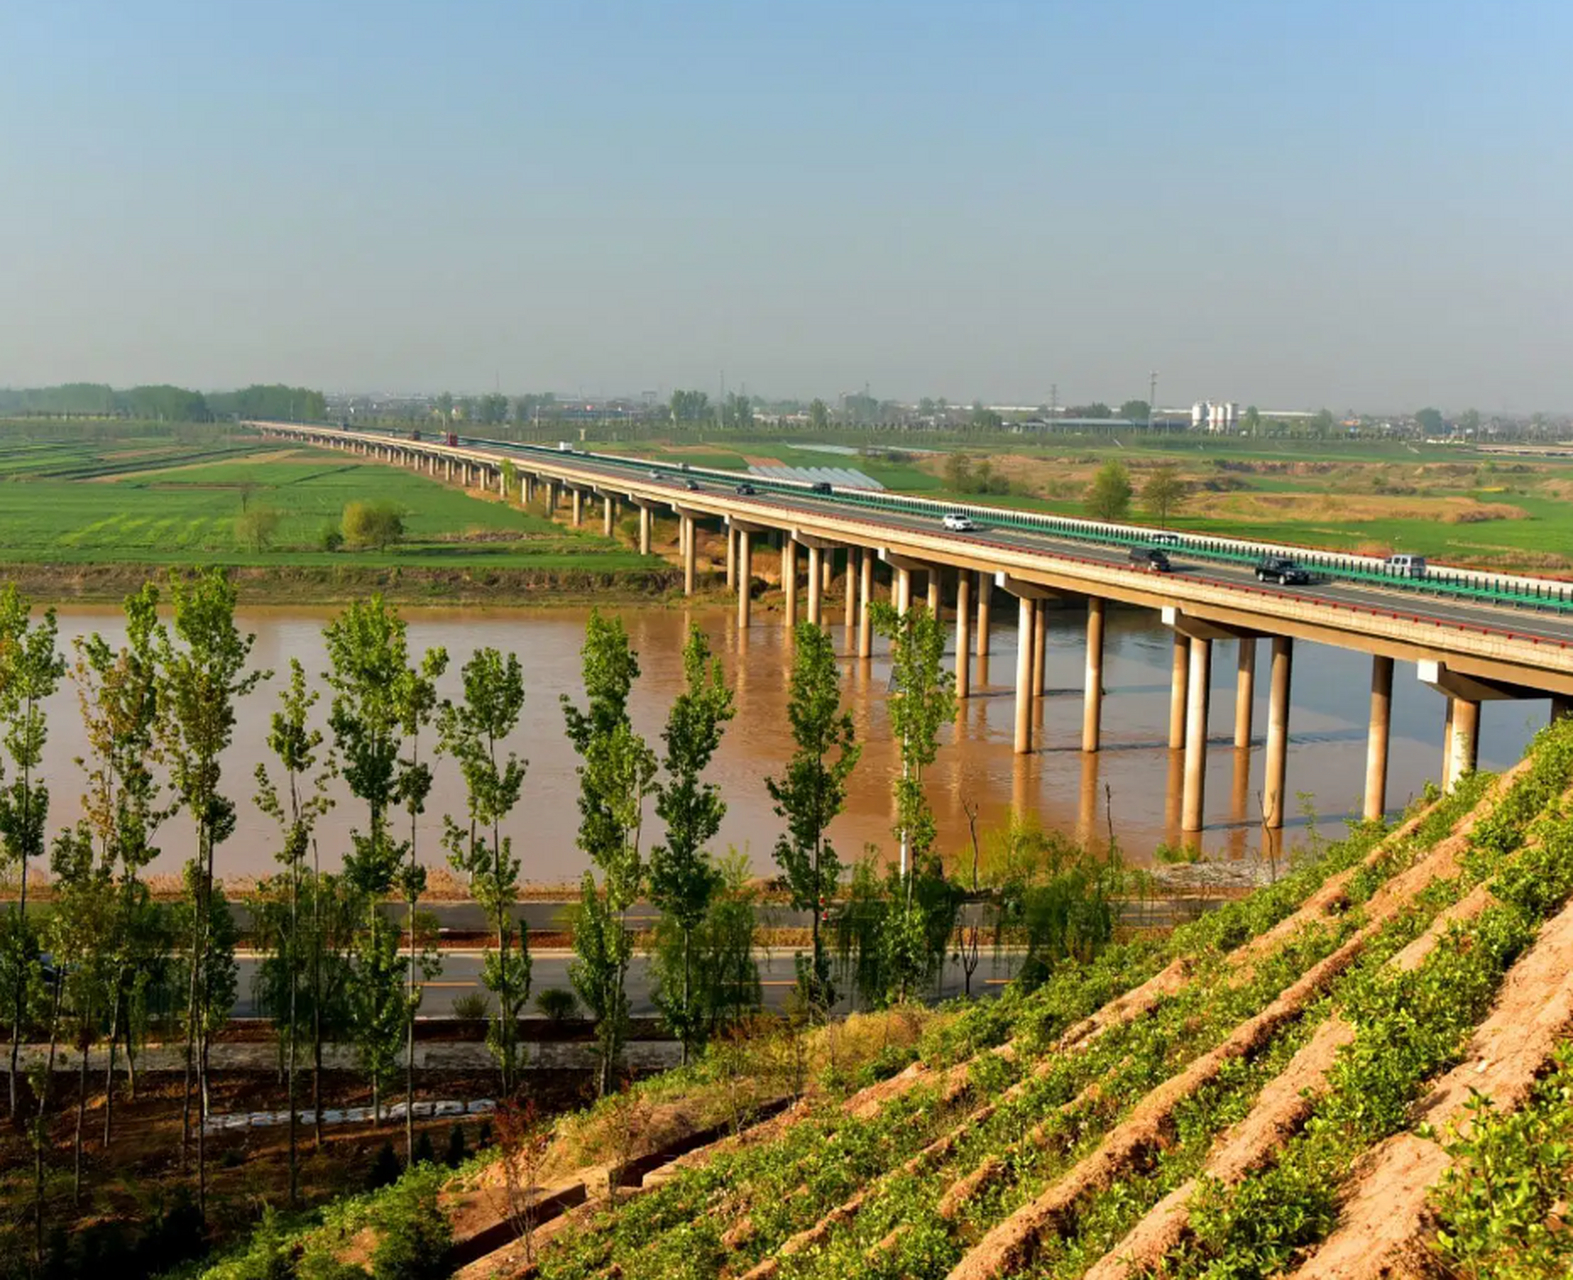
(1202, 1106)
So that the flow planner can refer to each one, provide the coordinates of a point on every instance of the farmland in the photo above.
(77, 503)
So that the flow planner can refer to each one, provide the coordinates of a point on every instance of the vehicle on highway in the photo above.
(745, 490)
(453, 439)
(958, 522)
(691, 485)
(1406, 566)
(1282, 570)
(1151, 559)
(821, 486)
(655, 475)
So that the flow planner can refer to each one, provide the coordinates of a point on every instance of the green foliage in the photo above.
(616, 771)
(456, 1152)
(683, 878)
(372, 524)
(1109, 495)
(813, 791)
(1164, 493)
(962, 475)
(705, 977)
(385, 1168)
(557, 1005)
(256, 526)
(1502, 1206)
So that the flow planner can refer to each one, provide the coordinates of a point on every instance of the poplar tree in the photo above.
(472, 730)
(202, 675)
(810, 794)
(30, 670)
(118, 693)
(615, 774)
(297, 748)
(684, 880)
(923, 699)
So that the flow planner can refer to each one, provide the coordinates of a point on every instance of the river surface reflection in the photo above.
(1132, 785)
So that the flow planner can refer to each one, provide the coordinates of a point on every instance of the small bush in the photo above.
(415, 1234)
(455, 1155)
(472, 1006)
(557, 1005)
(424, 1154)
(483, 1135)
(372, 524)
(330, 539)
(385, 1168)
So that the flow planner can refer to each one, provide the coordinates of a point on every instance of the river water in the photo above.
(1131, 786)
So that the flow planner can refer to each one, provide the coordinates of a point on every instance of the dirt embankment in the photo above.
(333, 584)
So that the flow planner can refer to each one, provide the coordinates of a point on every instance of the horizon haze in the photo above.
(1302, 204)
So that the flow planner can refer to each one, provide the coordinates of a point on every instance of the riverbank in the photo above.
(409, 586)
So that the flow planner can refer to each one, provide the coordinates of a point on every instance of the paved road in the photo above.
(1525, 622)
(461, 976)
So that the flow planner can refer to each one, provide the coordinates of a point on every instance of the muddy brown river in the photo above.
(1132, 785)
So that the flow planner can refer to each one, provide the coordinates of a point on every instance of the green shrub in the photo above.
(330, 539)
(472, 1006)
(455, 1155)
(557, 1005)
(414, 1235)
(423, 1154)
(385, 1168)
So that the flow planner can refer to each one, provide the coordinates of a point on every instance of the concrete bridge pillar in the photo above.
(690, 565)
(527, 488)
(827, 566)
(789, 582)
(609, 520)
(1276, 782)
(447, 470)
(934, 590)
(816, 581)
(731, 557)
(1376, 738)
(963, 634)
(866, 591)
(1244, 692)
(1463, 740)
(578, 509)
(502, 482)
(850, 605)
(1040, 646)
(1199, 690)
(903, 589)
(1179, 674)
(745, 578)
(985, 598)
(1092, 692)
(553, 491)
(644, 520)
(1026, 614)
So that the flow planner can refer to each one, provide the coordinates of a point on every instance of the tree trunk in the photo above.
(109, 1069)
(409, 1036)
(131, 1062)
(81, 1112)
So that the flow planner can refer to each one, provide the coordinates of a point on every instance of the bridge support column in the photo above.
(985, 597)
(1092, 692)
(1179, 673)
(502, 483)
(578, 509)
(850, 605)
(644, 522)
(745, 578)
(866, 592)
(1376, 738)
(1200, 690)
(934, 591)
(963, 634)
(816, 582)
(731, 557)
(690, 558)
(1244, 692)
(1026, 613)
(903, 591)
(1276, 782)
(1463, 740)
(447, 470)
(826, 570)
(609, 519)
(1561, 707)
(789, 581)
(1040, 646)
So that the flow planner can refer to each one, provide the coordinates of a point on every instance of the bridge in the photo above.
(1474, 637)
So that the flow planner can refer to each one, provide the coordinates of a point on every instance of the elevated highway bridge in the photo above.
(1472, 636)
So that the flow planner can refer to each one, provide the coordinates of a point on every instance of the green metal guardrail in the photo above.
(1438, 583)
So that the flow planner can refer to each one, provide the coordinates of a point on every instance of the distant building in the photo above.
(1223, 415)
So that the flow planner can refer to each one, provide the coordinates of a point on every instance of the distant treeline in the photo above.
(161, 403)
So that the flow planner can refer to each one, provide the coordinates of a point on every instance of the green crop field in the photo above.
(162, 500)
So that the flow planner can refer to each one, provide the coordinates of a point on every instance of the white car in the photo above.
(958, 522)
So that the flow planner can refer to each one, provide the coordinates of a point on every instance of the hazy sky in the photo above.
(1275, 201)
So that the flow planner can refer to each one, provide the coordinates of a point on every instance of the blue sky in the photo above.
(1287, 203)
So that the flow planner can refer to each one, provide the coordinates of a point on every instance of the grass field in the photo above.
(161, 500)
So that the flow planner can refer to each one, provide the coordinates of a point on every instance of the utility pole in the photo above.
(1152, 396)
(1054, 402)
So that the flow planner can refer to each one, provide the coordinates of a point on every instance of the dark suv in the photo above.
(821, 486)
(1151, 559)
(1282, 570)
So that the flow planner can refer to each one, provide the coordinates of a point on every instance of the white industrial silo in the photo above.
(1198, 414)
